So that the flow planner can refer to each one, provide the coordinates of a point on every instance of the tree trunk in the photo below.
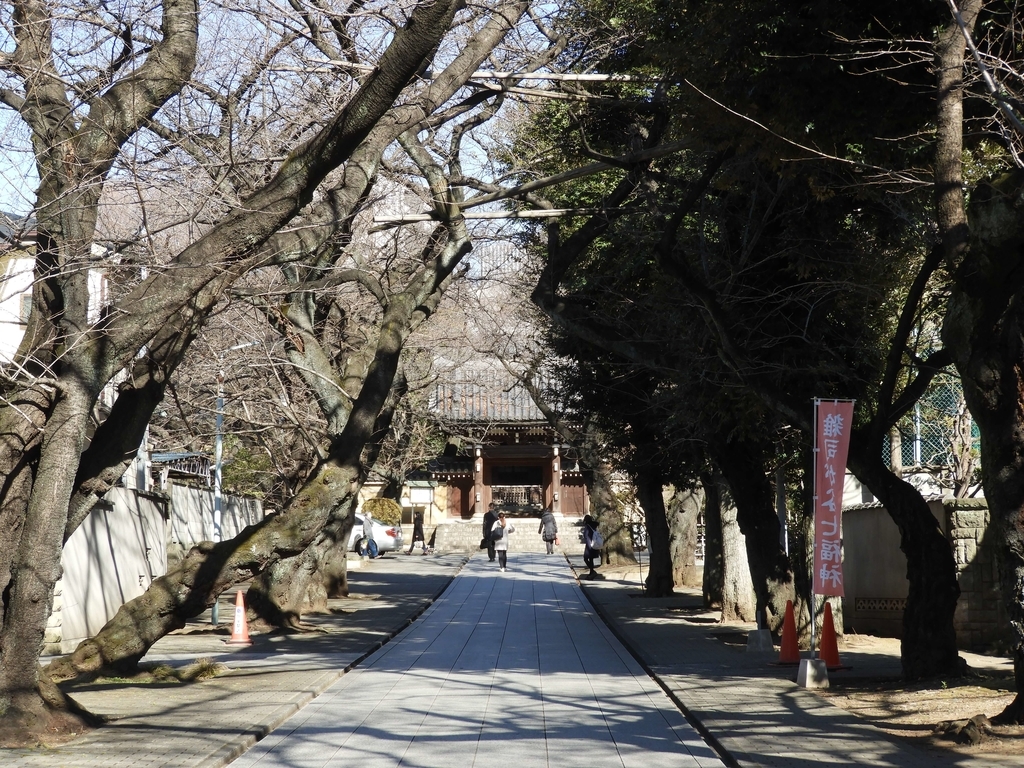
(928, 647)
(28, 595)
(800, 552)
(295, 585)
(738, 600)
(302, 584)
(606, 509)
(334, 569)
(742, 465)
(714, 554)
(984, 326)
(648, 491)
(283, 592)
(683, 509)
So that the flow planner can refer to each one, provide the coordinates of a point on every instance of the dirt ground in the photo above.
(917, 711)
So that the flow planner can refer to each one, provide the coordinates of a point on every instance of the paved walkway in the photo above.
(206, 725)
(510, 667)
(504, 667)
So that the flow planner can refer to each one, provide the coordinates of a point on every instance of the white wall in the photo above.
(123, 546)
(15, 281)
(192, 515)
(16, 277)
(112, 558)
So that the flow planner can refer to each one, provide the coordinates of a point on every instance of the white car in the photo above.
(388, 537)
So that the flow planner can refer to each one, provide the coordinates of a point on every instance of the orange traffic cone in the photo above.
(790, 651)
(828, 650)
(240, 629)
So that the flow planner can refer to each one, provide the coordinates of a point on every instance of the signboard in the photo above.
(833, 420)
(419, 495)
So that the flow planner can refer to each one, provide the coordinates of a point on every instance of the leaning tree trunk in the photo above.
(928, 646)
(286, 590)
(659, 573)
(742, 465)
(984, 327)
(207, 571)
(303, 583)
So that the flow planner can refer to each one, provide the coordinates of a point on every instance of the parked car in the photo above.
(388, 537)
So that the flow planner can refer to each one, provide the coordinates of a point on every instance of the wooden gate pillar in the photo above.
(556, 479)
(479, 506)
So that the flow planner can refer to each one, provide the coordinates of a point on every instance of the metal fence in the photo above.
(938, 435)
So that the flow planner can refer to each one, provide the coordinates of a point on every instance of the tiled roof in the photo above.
(450, 465)
(14, 227)
(488, 398)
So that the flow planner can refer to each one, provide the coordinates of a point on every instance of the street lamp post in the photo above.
(218, 461)
(218, 465)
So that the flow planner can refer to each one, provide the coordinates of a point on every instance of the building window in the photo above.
(26, 308)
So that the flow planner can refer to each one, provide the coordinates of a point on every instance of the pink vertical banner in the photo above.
(833, 422)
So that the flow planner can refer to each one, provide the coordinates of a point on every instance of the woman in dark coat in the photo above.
(417, 532)
(548, 529)
(589, 550)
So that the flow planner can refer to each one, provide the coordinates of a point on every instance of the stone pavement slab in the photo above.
(507, 667)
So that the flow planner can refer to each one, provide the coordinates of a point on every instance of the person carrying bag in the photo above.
(499, 538)
(548, 529)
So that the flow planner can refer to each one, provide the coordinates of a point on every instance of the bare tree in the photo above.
(348, 356)
(83, 120)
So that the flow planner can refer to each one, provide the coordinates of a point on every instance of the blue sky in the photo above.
(18, 179)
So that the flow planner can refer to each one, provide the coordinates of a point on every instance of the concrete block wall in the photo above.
(111, 558)
(191, 515)
(875, 572)
(465, 535)
(980, 620)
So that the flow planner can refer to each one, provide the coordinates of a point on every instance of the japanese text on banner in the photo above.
(833, 424)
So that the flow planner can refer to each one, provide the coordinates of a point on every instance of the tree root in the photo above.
(45, 718)
(1013, 714)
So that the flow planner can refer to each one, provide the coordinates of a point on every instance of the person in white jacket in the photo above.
(501, 544)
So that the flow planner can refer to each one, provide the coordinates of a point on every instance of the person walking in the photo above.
(548, 529)
(592, 544)
(370, 546)
(501, 543)
(417, 532)
(490, 518)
